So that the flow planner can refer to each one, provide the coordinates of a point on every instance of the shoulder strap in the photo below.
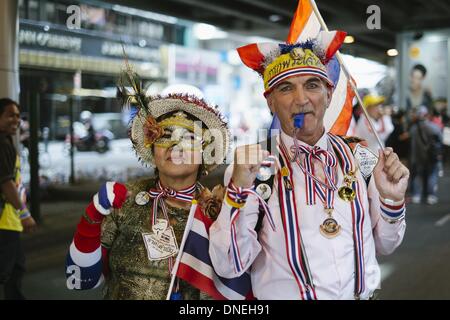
(267, 144)
(351, 142)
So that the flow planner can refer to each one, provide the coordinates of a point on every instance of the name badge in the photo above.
(161, 244)
(367, 160)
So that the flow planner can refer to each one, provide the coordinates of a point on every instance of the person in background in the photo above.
(426, 150)
(14, 214)
(418, 94)
(399, 138)
(381, 122)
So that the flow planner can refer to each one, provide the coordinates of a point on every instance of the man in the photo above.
(426, 152)
(418, 94)
(381, 122)
(325, 224)
(15, 216)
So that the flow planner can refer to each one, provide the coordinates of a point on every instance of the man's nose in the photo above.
(300, 97)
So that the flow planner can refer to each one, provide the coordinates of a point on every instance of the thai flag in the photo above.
(306, 25)
(196, 268)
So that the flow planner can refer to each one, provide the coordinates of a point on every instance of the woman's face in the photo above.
(183, 158)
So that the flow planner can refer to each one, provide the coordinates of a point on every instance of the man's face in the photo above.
(376, 112)
(416, 79)
(10, 119)
(301, 94)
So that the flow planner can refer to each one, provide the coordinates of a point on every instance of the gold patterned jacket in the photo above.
(131, 274)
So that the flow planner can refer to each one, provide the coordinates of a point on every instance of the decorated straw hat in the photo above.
(177, 113)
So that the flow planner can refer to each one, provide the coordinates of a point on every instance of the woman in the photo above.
(130, 234)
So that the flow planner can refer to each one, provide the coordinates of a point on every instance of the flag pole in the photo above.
(353, 85)
(187, 229)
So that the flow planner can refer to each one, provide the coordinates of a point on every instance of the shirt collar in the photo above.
(289, 141)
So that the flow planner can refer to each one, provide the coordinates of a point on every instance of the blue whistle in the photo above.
(298, 120)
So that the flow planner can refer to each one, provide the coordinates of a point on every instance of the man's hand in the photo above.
(247, 161)
(29, 225)
(391, 176)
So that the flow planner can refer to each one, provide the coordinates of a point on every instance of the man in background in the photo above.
(382, 122)
(14, 215)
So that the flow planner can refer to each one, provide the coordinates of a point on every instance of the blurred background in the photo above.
(61, 61)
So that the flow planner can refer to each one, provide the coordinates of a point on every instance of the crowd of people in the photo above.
(415, 133)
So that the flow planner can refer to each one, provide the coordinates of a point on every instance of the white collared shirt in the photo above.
(331, 261)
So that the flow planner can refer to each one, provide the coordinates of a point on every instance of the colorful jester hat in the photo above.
(277, 62)
(165, 121)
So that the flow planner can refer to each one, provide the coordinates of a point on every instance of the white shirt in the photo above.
(331, 260)
(383, 127)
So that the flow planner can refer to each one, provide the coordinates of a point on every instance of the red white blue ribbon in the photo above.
(162, 192)
(239, 196)
(296, 254)
(344, 154)
(295, 250)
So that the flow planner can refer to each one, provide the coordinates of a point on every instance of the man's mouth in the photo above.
(304, 113)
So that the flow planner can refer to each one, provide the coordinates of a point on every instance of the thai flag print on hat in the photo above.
(277, 62)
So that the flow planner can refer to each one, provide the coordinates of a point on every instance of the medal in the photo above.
(264, 173)
(160, 226)
(346, 192)
(264, 191)
(330, 228)
(284, 172)
(142, 198)
(162, 246)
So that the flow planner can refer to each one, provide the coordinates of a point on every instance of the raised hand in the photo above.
(247, 161)
(391, 176)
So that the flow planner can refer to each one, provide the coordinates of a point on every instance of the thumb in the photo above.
(380, 164)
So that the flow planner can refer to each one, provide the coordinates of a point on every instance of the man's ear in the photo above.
(329, 95)
(270, 103)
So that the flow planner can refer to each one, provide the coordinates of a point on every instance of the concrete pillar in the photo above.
(9, 49)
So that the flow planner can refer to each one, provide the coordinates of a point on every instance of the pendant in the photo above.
(346, 193)
(330, 228)
(161, 243)
(287, 184)
(160, 226)
(264, 191)
(264, 173)
(142, 198)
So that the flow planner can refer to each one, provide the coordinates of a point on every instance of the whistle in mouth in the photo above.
(298, 120)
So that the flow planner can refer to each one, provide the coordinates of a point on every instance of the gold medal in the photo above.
(346, 192)
(330, 228)
(284, 172)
